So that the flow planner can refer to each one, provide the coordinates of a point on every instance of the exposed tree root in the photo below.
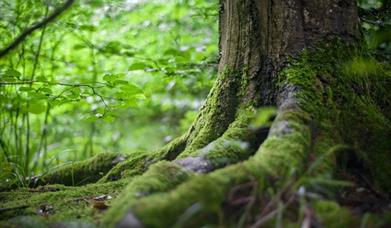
(302, 139)
(286, 147)
(80, 173)
(327, 126)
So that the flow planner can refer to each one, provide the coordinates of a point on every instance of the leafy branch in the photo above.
(34, 27)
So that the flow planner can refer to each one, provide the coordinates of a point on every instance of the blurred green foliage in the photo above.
(114, 75)
(376, 25)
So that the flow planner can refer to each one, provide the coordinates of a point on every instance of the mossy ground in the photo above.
(331, 135)
(55, 204)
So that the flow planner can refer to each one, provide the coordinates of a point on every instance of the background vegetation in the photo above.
(114, 75)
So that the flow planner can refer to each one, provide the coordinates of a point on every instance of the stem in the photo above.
(90, 143)
(27, 154)
(44, 133)
(16, 136)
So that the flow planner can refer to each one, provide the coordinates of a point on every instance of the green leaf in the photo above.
(112, 47)
(109, 118)
(118, 82)
(184, 55)
(172, 51)
(90, 28)
(36, 107)
(9, 74)
(79, 46)
(121, 95)
(13, 73)
(128, 53)
(131, 103)
(37, 95)
(45, 90)
(91, 119)
(137, 66)
(41, 79)
(75, 93)
(111, 78)
(25, 89)
(131, 89)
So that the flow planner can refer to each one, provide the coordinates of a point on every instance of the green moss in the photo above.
(137, 163)
(82, 172)
(275, 157)
(238, 142)
(330, 214)
(310, 122)
(263, 117)
(287, 144)
(161, 176)
(326, 108)
(369, 132)
(171, 150)
(209, 191)
(134, 165)
(205, 192)
(231, 147)
(218, 112)
(345, 103)
(64, 203)
(376, 220)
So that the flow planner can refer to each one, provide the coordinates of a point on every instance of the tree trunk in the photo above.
(292, 54)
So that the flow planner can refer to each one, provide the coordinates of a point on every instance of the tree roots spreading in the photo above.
(330, 135)
(80, 173)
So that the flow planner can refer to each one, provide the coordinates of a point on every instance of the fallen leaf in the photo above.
(102, 198)
(99, 205)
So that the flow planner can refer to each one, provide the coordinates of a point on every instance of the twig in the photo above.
(273, 213)
(53, 83)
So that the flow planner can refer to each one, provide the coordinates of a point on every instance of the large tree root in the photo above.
(286, 147)
(327, 124)
(80, 173)
(304, 138)
(136, 164)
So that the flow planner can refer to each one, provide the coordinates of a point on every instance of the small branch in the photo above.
(92, 87)
(34, 27)
(260, 222)
(53, 83)
(101, 98)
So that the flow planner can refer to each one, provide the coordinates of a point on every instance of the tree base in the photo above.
(331, 134)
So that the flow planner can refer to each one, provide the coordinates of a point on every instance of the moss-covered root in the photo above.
(236, 144)
(202, 195)
(160, 177)
(239, 142)
(82, 172)
(164, 175)
(138, 163)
